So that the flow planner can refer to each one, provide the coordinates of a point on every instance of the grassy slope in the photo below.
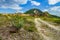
(52, 19)
(18, 21)
(45, 16)
(31, 11)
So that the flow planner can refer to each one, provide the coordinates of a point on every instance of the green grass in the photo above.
(51, 19)
(19, 22)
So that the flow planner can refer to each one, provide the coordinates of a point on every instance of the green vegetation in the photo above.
(17, 26)
(0, 38)
(51, 19)
(29, 25)
(26, 22)
(18, 21)
(31, 11)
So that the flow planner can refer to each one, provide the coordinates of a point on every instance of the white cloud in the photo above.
(14, 7)
(14, 1)
(52, 2)
(54, 10)
(35, 3)
(12, 4)
(21, 1)
(45, 10)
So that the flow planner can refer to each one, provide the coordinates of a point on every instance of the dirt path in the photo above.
(38, 25)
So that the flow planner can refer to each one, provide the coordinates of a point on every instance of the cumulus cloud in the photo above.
(12, 4)
(54, 10)
(14, 1)
(45, 10)
(52, 2)
(15, 6)
(35, 3)
(21, 1)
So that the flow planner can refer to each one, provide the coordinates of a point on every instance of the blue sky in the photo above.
(12, 6)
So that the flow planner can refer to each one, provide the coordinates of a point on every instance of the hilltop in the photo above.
(43, 15)
(31, 11)
(39, 12)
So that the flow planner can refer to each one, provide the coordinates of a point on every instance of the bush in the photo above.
(57, 21)
(31, 29)
(29, 26)
(0, 38)
(18, 22)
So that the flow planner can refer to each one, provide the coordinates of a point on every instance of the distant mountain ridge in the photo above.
(31, 11)
(41, 13)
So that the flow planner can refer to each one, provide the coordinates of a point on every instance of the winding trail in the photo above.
(41, 31)
(49, 25)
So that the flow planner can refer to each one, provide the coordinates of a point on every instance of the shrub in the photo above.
(18, 22)
(57, 21)
(29, 26)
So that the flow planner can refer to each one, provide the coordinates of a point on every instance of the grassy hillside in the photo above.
(45, 15)
(19, 27)
(18, 22)
(52, 19)
(31, 11)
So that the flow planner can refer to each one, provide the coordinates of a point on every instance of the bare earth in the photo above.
(47, 31)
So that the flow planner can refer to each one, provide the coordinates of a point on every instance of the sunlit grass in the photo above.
(51, 19)
(19, 22)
